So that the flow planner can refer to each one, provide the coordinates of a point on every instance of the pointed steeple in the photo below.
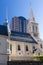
(7, 23)
(31, 15)
(6, 16)
(9, 32)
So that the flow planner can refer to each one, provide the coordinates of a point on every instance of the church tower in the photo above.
(7, 23)
(9, 32)
(32, 26)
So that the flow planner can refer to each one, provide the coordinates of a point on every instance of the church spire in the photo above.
(31, 15)
(7, 23)
(9, 31)
(6, 16)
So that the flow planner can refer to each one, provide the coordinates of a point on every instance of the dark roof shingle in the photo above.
(26, 37)
(3, 30)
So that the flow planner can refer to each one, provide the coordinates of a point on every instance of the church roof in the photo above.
(25, 37)
(17, 36)
(3, 30)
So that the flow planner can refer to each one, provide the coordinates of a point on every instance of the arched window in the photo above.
(41, 45)
(34, 47)
(19, 47)
(36, 28)
(33, 27)
(26, 48)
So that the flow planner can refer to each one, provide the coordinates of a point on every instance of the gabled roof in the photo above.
(17, 36)
(3, 30)
(25, 37)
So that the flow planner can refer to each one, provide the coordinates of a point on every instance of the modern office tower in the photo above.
(15, 24)
(19, 24)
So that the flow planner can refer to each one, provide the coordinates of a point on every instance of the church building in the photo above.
(21, 43)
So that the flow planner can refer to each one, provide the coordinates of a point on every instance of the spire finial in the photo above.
(8, 27)
(30, 4)
(6, 20)
(6, 13)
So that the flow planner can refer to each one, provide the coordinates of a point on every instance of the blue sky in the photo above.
(21, 8)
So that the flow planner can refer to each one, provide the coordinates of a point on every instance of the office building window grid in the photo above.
(19, 24)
